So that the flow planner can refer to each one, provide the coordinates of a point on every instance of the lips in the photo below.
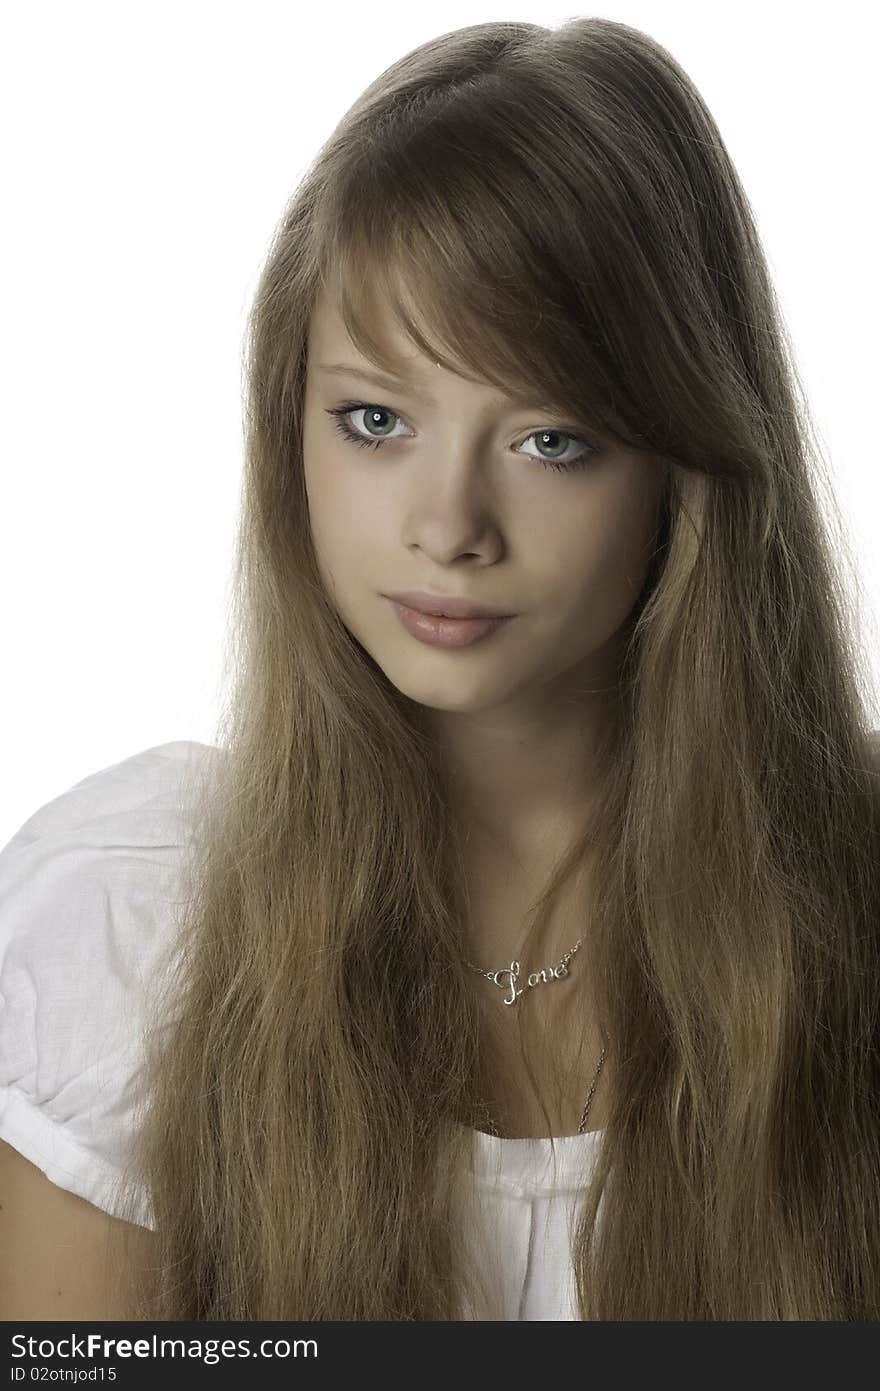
(437, 631)
(445, 605)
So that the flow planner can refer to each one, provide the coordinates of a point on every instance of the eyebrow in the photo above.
(388, 383)
(342, 369)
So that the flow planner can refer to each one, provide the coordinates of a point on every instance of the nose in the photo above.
(450, 509)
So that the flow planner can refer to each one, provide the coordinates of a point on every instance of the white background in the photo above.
(148, 151)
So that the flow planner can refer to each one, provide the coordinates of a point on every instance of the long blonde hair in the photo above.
(558, 205)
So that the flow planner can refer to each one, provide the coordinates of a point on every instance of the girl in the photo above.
(527, 962)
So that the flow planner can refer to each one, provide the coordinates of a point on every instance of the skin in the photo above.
(458, 501)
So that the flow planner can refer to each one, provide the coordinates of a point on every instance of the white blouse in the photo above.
(88, 893)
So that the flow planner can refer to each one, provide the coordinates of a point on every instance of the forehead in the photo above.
(332, 356)
(329, 338)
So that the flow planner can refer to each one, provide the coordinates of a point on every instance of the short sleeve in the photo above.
(89, 892)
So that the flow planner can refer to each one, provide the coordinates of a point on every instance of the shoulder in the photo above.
(150, 781)
(81, 877)
(89, 890)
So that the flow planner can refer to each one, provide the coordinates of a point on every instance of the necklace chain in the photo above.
(544, 976)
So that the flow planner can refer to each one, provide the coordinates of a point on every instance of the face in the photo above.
(468, 495)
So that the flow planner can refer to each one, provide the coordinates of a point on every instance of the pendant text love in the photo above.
(547, 974)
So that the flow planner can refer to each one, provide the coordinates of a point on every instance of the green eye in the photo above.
(348, 408)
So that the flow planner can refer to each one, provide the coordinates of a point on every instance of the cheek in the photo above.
(341, 496)
(342, 532)
(603, 555)
(328, 493)
(326, 519)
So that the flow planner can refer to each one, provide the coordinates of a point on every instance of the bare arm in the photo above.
(61, 1257)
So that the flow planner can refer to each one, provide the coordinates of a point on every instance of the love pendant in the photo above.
(536, 978)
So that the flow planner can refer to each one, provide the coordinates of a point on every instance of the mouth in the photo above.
(445, 605)
(439, 631)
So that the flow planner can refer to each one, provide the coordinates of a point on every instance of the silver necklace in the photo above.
(543, 976)
(549, 973)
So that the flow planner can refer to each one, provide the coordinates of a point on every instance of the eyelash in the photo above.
(349, 407)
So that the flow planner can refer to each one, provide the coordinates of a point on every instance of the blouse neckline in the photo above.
(540, 1166)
